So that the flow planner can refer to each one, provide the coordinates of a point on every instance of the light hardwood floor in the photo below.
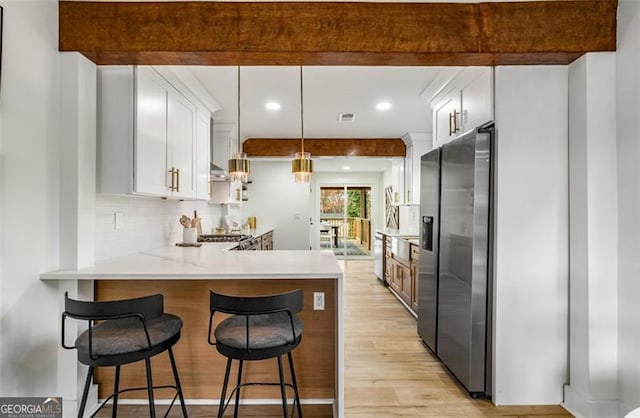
(388, 371)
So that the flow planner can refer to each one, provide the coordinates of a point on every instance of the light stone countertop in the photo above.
(210, 261)
(215, 261)
(395, 233)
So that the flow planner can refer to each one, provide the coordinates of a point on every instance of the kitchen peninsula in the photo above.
(185, 275)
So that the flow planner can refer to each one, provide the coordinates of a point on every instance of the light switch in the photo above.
(118, 220)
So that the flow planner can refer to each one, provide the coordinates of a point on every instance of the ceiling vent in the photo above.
(346, 117)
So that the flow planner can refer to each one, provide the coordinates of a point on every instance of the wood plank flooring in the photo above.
(388, 371)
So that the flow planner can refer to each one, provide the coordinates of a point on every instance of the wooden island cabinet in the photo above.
(184, 276)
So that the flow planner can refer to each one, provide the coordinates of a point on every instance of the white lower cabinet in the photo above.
(147, 141)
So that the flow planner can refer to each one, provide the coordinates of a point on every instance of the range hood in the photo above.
(217, 173)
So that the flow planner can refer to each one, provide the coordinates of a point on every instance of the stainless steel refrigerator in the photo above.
(454, 288)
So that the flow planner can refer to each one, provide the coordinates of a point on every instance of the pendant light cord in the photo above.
(301, 110)
(239, 143)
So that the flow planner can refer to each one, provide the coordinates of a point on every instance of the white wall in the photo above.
(278, 202)
(531, 200)
(592, 389)
(628, 141)
(29, 198)
(148, 223)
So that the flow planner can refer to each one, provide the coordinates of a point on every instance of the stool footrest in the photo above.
(104, 403)
(231, 395)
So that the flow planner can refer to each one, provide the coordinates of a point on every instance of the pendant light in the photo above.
(302, 166)
(239, 164)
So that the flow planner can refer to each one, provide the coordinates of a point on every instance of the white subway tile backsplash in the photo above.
(148, 223)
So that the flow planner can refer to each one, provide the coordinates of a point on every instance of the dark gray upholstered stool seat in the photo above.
(129, 330)
(270, 335)
(260, 328)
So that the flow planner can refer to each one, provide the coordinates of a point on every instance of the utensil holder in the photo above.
(189, 235)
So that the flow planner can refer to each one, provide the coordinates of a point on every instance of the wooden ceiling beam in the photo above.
(329, 147)
(336, 33)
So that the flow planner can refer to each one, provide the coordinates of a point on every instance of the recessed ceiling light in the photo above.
(346, 167)
(383, 106)
(272, 105)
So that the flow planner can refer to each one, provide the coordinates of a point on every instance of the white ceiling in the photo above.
(328, 91)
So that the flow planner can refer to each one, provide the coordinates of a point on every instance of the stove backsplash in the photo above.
(147, 223)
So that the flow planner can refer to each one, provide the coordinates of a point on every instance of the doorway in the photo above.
(345, 220)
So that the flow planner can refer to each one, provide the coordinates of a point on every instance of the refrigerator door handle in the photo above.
(427, 233)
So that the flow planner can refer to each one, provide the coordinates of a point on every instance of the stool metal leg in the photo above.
(114, 411)
(283, 390)
(235, 411)
(295, 384)
(223, 396)
(178, 387)
(85, 392)
(152, 409)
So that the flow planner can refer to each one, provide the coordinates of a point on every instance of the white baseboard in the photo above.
(581, 407)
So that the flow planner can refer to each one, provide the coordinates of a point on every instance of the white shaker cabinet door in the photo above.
(203, 126)
(477, 100)
(181, 123)
(151, 134)
(446, 118)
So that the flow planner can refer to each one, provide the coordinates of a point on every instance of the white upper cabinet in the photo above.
(397, 181)
(420, 144)
(147, 135)
(150, 138)
(223, 140)
(408, 176)
(476, 99)
(181, 122)
(446, 113)
(227, 192)
(464, 103)
(203, 131)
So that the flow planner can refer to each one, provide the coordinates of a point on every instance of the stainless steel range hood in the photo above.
(217, 173)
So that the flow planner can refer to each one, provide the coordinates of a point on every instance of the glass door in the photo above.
(345, 224)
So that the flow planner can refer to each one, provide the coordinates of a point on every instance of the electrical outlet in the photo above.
(118, 220)
(318, 301)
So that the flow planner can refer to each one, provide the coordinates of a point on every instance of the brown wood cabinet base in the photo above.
(201, 367)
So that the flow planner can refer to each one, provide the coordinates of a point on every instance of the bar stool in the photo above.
(129, 330)
(260, 328)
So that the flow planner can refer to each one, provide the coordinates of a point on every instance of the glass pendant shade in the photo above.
(302, 167)
(239, 167)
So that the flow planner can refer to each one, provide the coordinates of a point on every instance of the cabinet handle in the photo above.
(396, 197)
(173, 185)
(456, 128)
(177, 180)
(210, 189)
(408, 195)
(450, 124)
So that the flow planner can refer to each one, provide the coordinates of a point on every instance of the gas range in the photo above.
(223, 238)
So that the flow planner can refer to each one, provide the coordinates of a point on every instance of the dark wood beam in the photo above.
(329, 147)
(330, 33)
